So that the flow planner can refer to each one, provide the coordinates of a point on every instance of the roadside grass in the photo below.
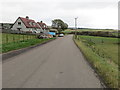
(102, 53)
(9, 42)
(21, 44)
(108, 47)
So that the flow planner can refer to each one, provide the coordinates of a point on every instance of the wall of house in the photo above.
(37, 30)
(40, 30)
(22, 26)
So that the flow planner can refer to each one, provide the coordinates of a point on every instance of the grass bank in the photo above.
(102, 53)
(6, 47)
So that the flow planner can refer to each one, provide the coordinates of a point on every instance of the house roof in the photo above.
(29, 23)
(42, 25)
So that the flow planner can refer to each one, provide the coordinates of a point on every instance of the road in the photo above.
(57, 64)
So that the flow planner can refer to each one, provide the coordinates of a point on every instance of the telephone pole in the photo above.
(76, 27)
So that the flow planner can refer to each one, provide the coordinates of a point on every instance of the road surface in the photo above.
(57, 64)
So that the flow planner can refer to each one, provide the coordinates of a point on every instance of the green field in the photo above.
(9, 42)
(79, 30)
(8, 38)
(102, 53)
(112, 32)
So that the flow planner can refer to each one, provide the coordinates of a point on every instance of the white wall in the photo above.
(41, 30)
(22, 26)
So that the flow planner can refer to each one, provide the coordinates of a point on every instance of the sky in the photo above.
(101, 14)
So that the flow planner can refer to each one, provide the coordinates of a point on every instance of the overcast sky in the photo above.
(90, 13)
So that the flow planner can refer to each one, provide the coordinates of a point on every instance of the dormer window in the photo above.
(19, 23)
(34, 24)
(30, 23)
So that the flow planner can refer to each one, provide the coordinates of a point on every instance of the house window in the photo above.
(18, 29)
(44, 26)
(19, 23)
(34, 24)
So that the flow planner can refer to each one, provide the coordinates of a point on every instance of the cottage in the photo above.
(44, 27)
(26, 25)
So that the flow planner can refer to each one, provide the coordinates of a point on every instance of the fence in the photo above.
(16, 36)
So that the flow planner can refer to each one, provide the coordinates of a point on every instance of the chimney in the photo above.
(27, 17)
(41, 21)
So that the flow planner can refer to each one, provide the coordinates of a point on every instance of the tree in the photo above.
(65, 25)
(59, 25)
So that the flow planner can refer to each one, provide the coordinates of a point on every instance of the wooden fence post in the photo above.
(23, 37)
(19, 36)
(26, 36)
(13, 38)
(6, 38)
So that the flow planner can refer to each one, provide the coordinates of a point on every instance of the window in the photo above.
(30, 23)
(18, 29)
(44, 26)
(34, 24)
(19, 23)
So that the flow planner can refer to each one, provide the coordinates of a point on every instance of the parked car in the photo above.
(42, 36)
(61, 35)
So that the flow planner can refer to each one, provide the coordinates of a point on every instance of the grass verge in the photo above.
(22, 44)
(108, 72)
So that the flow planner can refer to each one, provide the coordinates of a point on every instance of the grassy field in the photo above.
(15, 41)
(113, 32)
(79, 30)
(8, 38)
(102, 53)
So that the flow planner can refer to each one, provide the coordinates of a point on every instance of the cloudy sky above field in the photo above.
(90, 13)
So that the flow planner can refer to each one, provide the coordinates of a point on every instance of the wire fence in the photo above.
(9, 36)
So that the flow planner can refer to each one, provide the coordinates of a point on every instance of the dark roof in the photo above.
(29, 23)
(42, 25)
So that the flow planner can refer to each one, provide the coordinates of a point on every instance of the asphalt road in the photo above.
(57, 64)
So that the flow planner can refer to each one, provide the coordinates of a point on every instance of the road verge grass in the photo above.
(22, 44)
(108, 72)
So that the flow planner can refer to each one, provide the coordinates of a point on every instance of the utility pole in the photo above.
(76, 27)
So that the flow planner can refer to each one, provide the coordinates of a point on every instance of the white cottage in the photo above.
(44, 27)
(26, 25)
